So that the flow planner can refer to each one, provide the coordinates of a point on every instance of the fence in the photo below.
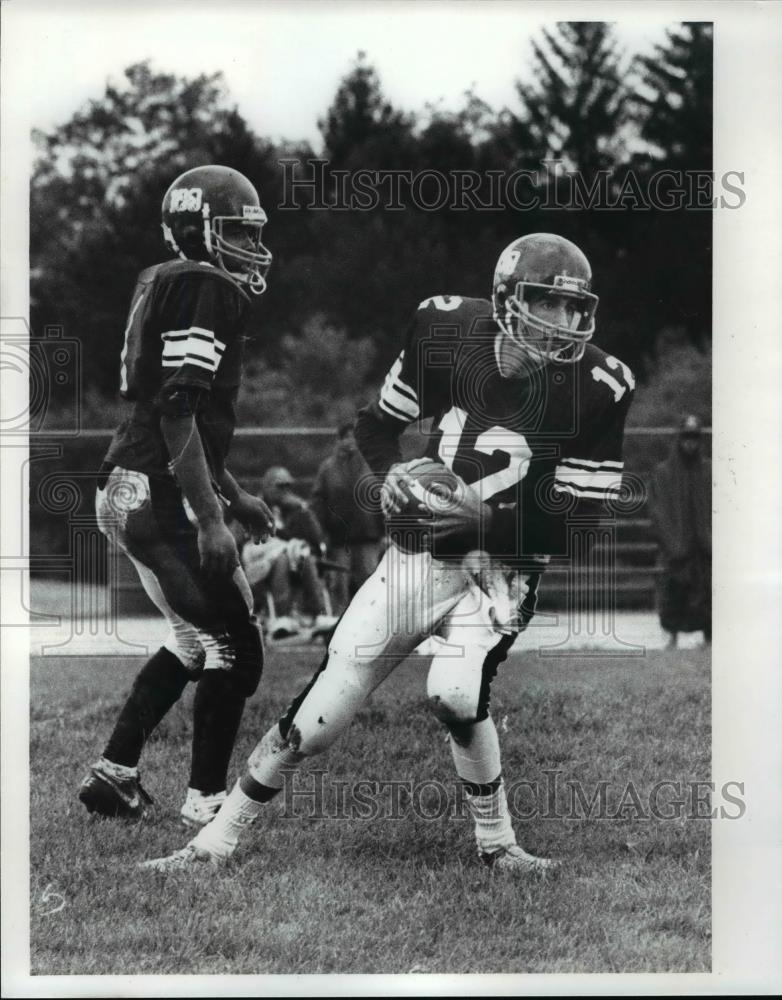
(64, 543)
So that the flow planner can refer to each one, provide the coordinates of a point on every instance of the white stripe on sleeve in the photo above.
(196, 346)
(598, 481)
(398, 398)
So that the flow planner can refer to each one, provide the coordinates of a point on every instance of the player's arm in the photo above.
(591, 466)
(187, 462)
(199, 319)
(251, 512)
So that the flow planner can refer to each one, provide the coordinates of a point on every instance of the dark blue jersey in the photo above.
(538, 448)
(184, 329)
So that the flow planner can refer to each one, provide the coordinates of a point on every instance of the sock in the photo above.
(220, 837)
(493, 829)
(118, 771)
(476, 754)
(158, 686)
(217, 712)
(475, 749)
(255, 790)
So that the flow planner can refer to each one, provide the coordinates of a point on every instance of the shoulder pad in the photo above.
(198, 268)
(594, 355)
(458, 304)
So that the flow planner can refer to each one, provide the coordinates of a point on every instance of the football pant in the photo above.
(410, 597)
(211, 622)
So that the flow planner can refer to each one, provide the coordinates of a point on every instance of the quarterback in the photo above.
(163, 489)
(527, 422)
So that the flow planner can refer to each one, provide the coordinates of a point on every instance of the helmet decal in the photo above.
(186, 200)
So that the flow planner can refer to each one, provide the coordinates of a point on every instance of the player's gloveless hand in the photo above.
(217, 549)
(254, 515)
(464, 516)
(392, 498)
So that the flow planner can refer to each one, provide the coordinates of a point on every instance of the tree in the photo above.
(96, 192)
(673, 108)
(575, 106)
(674, 98)
(361, 125)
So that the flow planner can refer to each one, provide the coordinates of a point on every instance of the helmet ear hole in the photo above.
(191, 242)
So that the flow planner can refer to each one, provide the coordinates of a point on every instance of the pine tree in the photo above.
(96, 192)
(575, 107)
(674, 102)
(673, 108)
(360, 119)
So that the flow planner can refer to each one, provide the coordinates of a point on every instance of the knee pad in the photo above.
(184, 641)
(239, 653)
(453, 694)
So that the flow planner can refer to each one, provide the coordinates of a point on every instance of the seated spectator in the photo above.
(354, 532)
(680, 506)
(289, 561)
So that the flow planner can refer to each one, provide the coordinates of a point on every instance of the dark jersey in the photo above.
(543, 450)
(184, 329)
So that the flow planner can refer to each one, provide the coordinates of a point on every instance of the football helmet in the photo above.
(213, 213)
(536, 266)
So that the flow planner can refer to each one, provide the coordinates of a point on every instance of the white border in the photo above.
(747, 704)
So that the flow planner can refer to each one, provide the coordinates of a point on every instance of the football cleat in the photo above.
(200, 809)
(515, 859)
(187, 858)
(108, 794)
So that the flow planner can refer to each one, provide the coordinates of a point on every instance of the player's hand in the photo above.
(254, 515)
(465, 515)
(393, 500)
(217, 549)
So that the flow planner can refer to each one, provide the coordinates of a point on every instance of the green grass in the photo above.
(307, 895)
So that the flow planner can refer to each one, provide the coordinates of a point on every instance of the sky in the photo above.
(283, 62)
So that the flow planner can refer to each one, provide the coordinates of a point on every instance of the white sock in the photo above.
(493, 828)
(220, 837)
(119, 771)
(479, 762)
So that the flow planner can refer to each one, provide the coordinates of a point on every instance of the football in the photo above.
(434, 489)
(434, 486)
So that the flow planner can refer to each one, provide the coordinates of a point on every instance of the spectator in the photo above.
(354, 531)
(288, 561)
(680, 504)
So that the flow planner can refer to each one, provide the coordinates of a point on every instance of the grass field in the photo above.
(323, 894)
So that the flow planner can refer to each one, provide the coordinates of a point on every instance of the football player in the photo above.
(529, 416)
(164, 490)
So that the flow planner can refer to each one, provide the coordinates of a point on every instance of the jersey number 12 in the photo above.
(495, 439)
